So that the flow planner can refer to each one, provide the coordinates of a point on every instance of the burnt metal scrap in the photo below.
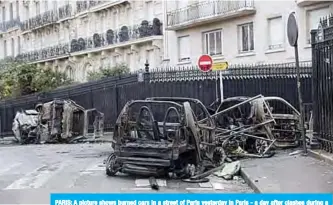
(24, 126)
(180, 137)
(247, 126)
(57, 121)
(161, 137)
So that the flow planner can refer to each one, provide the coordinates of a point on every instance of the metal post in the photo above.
(221, 87)
(300, 100)
(292, 32)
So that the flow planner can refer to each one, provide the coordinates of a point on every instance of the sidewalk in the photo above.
(285, 174)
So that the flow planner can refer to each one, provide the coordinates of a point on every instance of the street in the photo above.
(28, 174)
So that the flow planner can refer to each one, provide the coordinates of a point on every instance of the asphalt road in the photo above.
(28, 174)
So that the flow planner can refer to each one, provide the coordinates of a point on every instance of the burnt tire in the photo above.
(219, 156)
(111, 169)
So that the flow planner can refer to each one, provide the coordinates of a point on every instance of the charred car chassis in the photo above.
(146, 143)
(185, 139)
(56, 121)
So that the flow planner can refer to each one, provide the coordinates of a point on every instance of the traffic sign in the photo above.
(220, 66)
(205, 63)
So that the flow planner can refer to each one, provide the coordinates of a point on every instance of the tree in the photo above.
(116, 70)
(20, 78)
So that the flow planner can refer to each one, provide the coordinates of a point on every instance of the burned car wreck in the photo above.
(180, 137)
(59, 120)
(25, 126)
(254, 125)
(160, 136)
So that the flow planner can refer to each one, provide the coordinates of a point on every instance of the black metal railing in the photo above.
(124, 34)
(109, 95)
(322, 61)
(98, 40)
(47, 18)
(247, 71)
(205, 10)
(45, 53)
(85, 5)
(5, 26)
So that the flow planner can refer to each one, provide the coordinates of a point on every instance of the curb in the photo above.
(321, 155)
(247, 178)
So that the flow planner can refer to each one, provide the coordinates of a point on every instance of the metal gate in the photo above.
(322, 62)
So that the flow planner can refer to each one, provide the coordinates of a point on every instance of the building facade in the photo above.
(243, 31)
(81, 36)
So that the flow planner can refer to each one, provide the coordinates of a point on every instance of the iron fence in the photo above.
(322, 57)
(110, 95)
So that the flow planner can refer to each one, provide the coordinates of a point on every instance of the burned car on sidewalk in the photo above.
(162, 136)
(58, 121)
(255, 125)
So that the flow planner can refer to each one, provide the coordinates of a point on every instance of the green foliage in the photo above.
(117, 70)
(19, 78)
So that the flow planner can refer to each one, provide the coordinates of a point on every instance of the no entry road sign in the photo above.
(205, 63)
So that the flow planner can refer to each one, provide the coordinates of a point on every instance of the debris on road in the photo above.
(229, 170)
(57, 121)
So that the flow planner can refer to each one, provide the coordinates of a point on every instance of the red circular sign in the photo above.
(205, 63)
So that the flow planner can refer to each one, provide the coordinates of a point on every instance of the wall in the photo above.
(264, 10)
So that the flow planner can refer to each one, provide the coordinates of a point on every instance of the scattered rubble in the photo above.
(58, 121)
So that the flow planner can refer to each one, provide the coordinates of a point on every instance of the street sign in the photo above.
(292, 30)
(205, 63)
(220, 66)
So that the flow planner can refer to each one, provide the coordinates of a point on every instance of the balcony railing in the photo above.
(110, 37)
(206, 10)
(124, 34)
(5, 26)
(85, 5)
(47, 18)
(45, 53)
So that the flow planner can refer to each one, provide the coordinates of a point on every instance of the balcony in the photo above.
(7, 25)
(309, 2)
(207, 12)
(45, 53)
(93, 6)
(47, 18)
(110, 39)
(116, 38)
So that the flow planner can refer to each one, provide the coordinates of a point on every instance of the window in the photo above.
(149, 10)
(182, 4)
(183, 48)
(11, 12)
(70, 72)
(5, 47)
(313, 18)
(17, 9)
(55, 5)
(18, 45)
(27, 12)
(213, 43)
(245, 38)
(3, 14)
(275, 33)
(46, 5)
(37, 8)
(12, 48)
(115, 21)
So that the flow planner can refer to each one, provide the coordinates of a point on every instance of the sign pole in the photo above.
(292, 31)
(221, 86)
